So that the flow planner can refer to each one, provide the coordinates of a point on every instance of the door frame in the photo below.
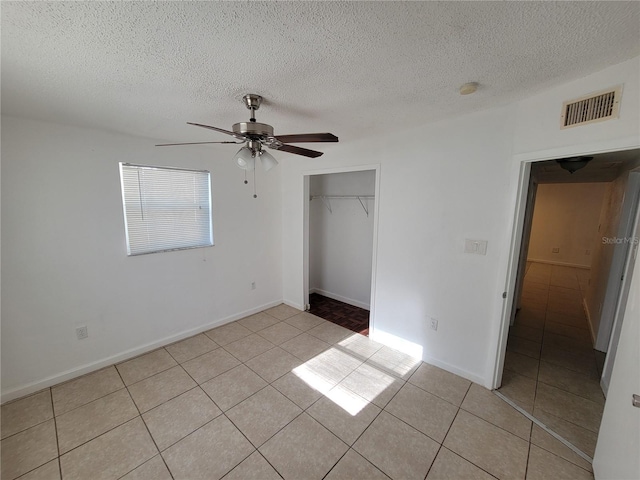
(510, 268)
(527, 225)
(306, 176)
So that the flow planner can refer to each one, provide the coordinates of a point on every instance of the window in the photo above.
(165, 208)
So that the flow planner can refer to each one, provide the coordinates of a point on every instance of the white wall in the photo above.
(440, 184)
(341, 240)
(65, 263)
(431, 198)
(566, 216)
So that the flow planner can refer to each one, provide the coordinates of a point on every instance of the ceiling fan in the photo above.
(256, 135)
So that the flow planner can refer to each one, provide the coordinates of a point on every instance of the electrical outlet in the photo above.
(555, 250)
(82, 332)
(253, 285)
(434, 324)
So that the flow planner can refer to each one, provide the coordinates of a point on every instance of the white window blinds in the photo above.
(165, 208)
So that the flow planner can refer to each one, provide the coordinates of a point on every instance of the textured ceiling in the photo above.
(351, 68)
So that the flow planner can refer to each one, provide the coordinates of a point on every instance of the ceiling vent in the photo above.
(595, 107)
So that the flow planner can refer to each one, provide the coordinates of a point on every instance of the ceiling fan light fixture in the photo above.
(245, 159)
(573, 164)
(268, 161)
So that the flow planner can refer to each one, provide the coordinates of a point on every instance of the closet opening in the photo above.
(340, 247)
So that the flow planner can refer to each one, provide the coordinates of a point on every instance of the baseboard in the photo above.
(67, 375)
(560, 264)
(417, 352)
(473, 377)
(340, 298)
(295, 305)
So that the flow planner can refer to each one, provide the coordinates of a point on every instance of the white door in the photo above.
(606, 335)
(618, 450)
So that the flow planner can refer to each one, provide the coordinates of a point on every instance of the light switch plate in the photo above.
(475, 246)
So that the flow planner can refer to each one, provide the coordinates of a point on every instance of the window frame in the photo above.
(121, 166)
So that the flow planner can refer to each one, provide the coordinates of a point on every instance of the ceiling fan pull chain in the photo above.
(245, 177)
(255, 195)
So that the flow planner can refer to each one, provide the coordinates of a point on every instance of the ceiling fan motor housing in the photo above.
(253, 130)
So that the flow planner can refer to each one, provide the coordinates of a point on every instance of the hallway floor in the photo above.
(279, 394)
(551, 369)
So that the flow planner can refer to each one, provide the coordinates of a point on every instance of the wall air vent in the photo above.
(595, 107)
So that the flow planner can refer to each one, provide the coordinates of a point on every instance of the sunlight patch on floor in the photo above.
(336, 372)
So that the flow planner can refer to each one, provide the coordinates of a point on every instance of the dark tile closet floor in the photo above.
(355, 319)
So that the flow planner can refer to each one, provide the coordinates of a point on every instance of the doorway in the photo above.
(569, 271)
(340, 228)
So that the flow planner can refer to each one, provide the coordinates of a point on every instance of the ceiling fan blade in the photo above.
(221, 130)
(191, 143)
(307, 137)
(300, 151)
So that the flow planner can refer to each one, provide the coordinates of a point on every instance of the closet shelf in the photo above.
(325, 199)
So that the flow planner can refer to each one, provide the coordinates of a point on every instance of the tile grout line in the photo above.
(204, 425)
(361, 434)
(570, 422)
(269, 384)
(266, 460)
(382, 409)
(145, 425)
(60, 455)
(449, 429)
(257, 449)
(55, 426)
(568, 392)
(242, 362)
(153, 374)
(28, 428)
(545, 428)
(445, 437)
(545, 334)
(526, 465)
(243, 460)
(157, 448)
